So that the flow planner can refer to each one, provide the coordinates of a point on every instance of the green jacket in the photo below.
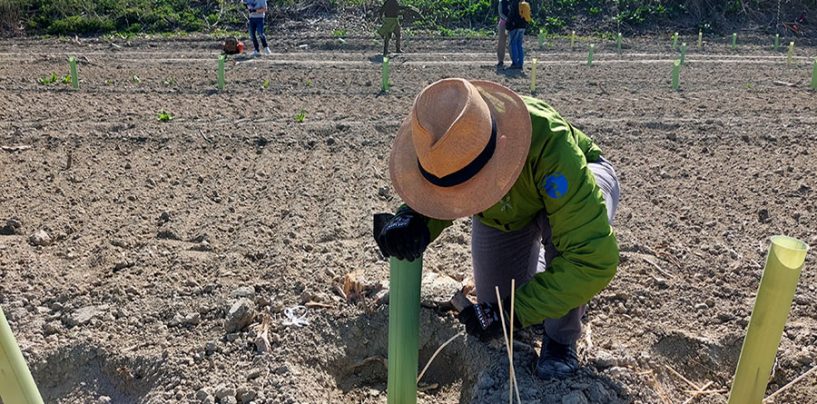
(556, 179)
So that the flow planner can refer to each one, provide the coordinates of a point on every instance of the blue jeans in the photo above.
(257, 26)
(517, 53)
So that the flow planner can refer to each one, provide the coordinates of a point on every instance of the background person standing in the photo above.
(258, 10)
(501, 32)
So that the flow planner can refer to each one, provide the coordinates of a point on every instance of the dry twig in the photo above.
(437, 352)
(791, 383)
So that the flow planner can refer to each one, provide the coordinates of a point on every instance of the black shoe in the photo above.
(500, 65)
(515, 67)
(556, 360)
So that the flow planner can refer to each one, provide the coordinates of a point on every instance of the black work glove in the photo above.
(482, 320)
(404, 236)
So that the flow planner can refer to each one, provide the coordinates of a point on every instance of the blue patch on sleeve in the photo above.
(555, 185)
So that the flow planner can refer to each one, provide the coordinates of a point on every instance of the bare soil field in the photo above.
(172, 247)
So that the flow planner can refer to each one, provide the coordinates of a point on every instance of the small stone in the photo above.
(246, 395)
(280, 370)
(192, 319)
(701, 306)
(210, 347)
(40, 239)
(103, 400)
(84, 315)
(763, 216)
(240, 315)
(52, 328)
(164, 217)
(244, 291)
(254, 373)
(604, 360)
(202, 394)
(223, 391)
(438, 288)
(574, 397)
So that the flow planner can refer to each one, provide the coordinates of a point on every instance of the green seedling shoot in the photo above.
(265, 84)
(590, 55)
(300, 117)
(66, 79)
(384, 85)
(47, 80)
(72, 65)
(676, 75)
(572, 39)
(700, 39)
(814, 75)
(220, 74)
(734, 40)
(683, 51)
(674, 41)
(533, 76)
(164, 116)
(618, 42)
(776, 41)
(790, 55)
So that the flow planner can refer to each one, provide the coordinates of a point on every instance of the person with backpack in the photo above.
(540, 195)
(257, 10)
(519, 17)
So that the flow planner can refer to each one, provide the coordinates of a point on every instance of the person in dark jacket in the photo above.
(516, 26)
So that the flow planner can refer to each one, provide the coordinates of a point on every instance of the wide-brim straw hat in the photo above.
(461, 148)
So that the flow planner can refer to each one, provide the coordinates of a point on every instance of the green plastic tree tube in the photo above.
(541, 38)
(618, 42)
(533, 76)
(16, 383)
(384, 85)
(790, 53)
(590, 54)
(220, 73)
(700, 39)
(734, 40)
(774, 296)
(776, 41)
(572, 39)
(676, 75)
(683, 52)
(404, 329)
(72, 66)
(814, 75)
(674, 41)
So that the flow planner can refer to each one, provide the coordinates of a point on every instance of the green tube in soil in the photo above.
(790, 54)
(541, 39)
(618, 42)
(674, 41)
(814, 75)
(734, 40)
(590, 55)
(16, 383)
(404, 330)
(384, 73)
(776, 41)
(572, 39)
(700, 39)
(72, 66)
(683, 52)
(220, 73)
(676, 75)
(533, 76)
(784, 263)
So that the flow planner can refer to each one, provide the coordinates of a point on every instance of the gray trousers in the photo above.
(501, 256)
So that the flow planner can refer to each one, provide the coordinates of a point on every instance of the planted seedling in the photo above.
(48, 80)
(135, 79)
(339, 33)
(300, 117)
(66, 79)
(169, 81)
(308, 82)
(674, 41)
(265, 85)
(164, 116)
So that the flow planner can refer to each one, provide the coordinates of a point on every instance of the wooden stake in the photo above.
(512, 376)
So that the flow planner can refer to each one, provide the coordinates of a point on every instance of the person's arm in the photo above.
(587, 247)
